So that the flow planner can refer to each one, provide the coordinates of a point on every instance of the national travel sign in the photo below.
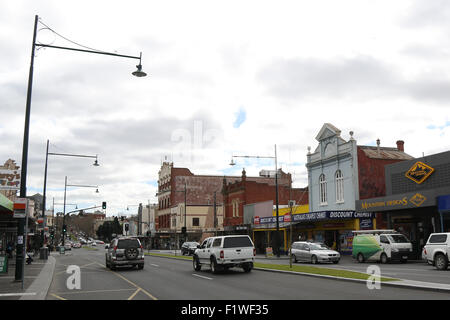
(317, 216)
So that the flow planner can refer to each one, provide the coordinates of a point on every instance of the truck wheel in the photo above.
(360, 258)
(383, 258)
(440, 261)
(247, 267)
(196, 263)
(214, 267)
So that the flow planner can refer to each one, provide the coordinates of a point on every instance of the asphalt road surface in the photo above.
(170, 279)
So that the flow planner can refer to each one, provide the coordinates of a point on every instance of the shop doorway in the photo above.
(331, 239)
(414, 231)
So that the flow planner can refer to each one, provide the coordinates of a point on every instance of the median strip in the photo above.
(321, 271)
(339, 273)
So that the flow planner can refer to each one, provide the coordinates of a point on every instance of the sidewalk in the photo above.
(37, 279)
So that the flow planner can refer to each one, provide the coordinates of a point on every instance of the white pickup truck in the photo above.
(437, 250)
(222, 253)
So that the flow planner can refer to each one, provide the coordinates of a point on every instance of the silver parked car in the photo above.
(313, 252)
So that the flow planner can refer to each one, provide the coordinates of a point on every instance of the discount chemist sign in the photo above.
(318, 216)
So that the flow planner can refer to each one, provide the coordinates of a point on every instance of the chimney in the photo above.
(400, 145)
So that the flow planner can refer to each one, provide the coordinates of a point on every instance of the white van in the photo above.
(381, 245)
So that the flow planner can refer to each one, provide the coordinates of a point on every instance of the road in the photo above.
(170, 279)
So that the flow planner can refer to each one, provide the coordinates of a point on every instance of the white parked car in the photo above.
(222, 253)
(313, 252)
(437, 250)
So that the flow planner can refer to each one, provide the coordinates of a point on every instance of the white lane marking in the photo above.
(155, 265)
(203, 277)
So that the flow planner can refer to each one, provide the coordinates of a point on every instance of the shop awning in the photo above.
(6, 205)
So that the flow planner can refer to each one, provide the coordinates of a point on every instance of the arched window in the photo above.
(323, 189)
(339, 186)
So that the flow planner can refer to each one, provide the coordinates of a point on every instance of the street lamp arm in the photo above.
(89, 51)
(72, 155)
(84, 209)
(81, 186)
(253, 157)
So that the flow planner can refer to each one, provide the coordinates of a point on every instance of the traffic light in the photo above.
(104, 205)
(64, 228)
(127, 227)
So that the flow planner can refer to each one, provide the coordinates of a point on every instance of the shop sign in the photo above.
(256, 220)
(318, 216)
(419, 172)
(20, 208)
(405, 201)
(9, 179)
(365, 224)
(3, 264)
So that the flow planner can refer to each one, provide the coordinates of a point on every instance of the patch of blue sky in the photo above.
(432, 126)
(241, 116)
(34, 190)
(152, 183)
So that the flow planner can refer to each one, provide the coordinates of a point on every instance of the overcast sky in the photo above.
(224, 78)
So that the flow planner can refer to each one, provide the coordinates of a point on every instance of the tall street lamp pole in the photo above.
(23, 177)
(45, 178)
(232, 163)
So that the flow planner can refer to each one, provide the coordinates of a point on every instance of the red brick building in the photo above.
(247, 191)
(371, 163)
(371, 173)
(200, 190)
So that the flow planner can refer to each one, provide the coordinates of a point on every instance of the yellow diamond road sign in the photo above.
(419, 172)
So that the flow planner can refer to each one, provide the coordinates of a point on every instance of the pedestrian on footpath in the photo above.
(9, 250)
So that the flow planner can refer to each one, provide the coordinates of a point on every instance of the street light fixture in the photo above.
(232, 163)
(23, 176)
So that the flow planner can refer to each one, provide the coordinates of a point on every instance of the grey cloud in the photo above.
(358, 78)
(301, 78)
(426, 13)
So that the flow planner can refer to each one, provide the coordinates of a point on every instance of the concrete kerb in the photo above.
(39, 288)
(403, 283)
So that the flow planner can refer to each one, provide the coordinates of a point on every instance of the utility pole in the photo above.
(215, 214)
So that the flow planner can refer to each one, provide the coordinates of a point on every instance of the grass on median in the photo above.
(296, 268)
(168, 255)
(320, 271)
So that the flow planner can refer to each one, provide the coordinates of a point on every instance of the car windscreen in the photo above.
(398, 238)
(235, 242)
(315, 246)
(128, 243)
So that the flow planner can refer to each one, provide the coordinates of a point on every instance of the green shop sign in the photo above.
(3, 264)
